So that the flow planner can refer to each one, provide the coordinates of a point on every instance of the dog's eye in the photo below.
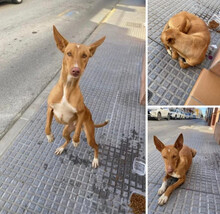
(84, 56)
(69, 54)
(174, 156)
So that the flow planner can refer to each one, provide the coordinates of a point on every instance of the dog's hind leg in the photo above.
(90, 135)
(175, 55)
(66, 134)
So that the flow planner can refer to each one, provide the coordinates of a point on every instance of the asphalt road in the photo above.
(29, 57)
(168, 131)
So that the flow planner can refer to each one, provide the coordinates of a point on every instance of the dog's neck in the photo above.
(178, 162)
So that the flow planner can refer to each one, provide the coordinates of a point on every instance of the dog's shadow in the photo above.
(171, 181)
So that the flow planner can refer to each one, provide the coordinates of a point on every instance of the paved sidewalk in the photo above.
(201, 191)
(34, 180)
(168, 83)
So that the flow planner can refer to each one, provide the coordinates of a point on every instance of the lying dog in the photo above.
(177, 159)
(186, 38)
(65, 101)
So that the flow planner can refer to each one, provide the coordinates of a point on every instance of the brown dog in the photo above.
(177, 159)
(186, 38)
(65, 101)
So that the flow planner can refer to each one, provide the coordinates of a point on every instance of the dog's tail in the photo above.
(101, 124)
(193, 152)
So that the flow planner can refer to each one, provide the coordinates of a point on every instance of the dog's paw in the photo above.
(75, 144)
(50, 138)
(162, 200)
(169, 52)
(59, 150)
(95, 163)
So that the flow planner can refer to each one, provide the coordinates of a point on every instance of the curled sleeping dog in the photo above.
(186, 38)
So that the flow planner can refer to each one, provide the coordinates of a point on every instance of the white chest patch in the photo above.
(63, 110)
(175, 175)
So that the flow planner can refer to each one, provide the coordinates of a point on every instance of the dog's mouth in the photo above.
(169, 171)
(76, 75)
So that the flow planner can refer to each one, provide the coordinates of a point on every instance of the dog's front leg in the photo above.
(49, 135)
(164, 185)
(175, 55)
(164, 198)
(77, 132)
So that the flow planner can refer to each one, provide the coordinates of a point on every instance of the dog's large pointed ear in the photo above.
(93, 46)
(159, 145)
(187, 26)
(179, 142)
(60, 41)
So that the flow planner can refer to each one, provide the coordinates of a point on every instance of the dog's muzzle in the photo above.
(75, 71)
